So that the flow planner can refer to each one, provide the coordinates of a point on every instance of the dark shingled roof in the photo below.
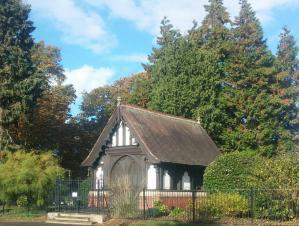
(164, 138)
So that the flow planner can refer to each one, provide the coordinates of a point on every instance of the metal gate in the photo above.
(79, 196)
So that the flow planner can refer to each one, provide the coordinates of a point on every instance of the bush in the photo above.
(158, 210)
(124, 205)
(280, 172)
(163, 209)
(218, 205)
(22, 201)
(178, 213)
(270, 179)
(281, 175)
(27, 174)
(232, 171)
(275, 204)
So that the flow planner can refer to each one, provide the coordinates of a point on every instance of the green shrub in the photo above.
(124, 204)
(222, 204)
(269, 179)
(159, 209)
(28, 174)
(275, 204)
(232, 171)
(280, 172)
(22, 201)
(163, 209)
(178, 213)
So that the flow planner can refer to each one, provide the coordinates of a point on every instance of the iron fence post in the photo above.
(193, 205)
(59, 199)
(98, 195)
(252, 204)
(143, 200)
(78, 197)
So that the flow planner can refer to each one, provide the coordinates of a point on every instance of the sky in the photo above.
(104, 40)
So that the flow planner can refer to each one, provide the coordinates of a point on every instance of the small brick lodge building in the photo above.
(150, 150)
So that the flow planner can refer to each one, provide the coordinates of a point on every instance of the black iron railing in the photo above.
(232, 207)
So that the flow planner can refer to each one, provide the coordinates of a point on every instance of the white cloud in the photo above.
(147, 14)
(78, 26)
(131, 58)
(87, 77)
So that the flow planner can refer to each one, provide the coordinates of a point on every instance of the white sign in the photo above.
(74, 194)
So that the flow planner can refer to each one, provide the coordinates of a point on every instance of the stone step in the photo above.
(74, 215)
(75, 218)
(68, 222)
(83, 219)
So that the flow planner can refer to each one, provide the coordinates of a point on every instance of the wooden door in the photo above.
(126, 174)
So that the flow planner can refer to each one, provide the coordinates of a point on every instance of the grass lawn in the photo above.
(17, 213)
(152, 223)
(166, 223)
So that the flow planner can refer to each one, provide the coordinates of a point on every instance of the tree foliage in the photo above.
(28, 174)
(245, 170)
(221, 73)
(232, 171)
(20, 82)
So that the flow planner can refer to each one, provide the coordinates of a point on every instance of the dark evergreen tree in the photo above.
(214, 32)
(19, 82)
(285, 86)
(254, 124)
(215, 37)
(184, 77)
(168, 36)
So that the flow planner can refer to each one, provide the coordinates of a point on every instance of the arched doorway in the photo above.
(126, 174)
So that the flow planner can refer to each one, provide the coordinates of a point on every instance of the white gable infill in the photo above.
(122, 136)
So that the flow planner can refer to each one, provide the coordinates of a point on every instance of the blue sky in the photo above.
(104, 40)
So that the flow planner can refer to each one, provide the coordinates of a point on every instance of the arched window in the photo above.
(152, 177)
(99, 178)
(186, 181)
(120, 135)
(166, 180)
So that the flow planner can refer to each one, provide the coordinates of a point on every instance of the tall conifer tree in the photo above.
(19, 82)
(254, 123)
(285, 86)
(214, 36)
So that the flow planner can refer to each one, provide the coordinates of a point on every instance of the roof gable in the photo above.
(121, 136)
(162, 137)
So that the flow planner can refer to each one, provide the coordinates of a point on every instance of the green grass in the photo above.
(167, 223)
(21, 213)
(153, 223)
